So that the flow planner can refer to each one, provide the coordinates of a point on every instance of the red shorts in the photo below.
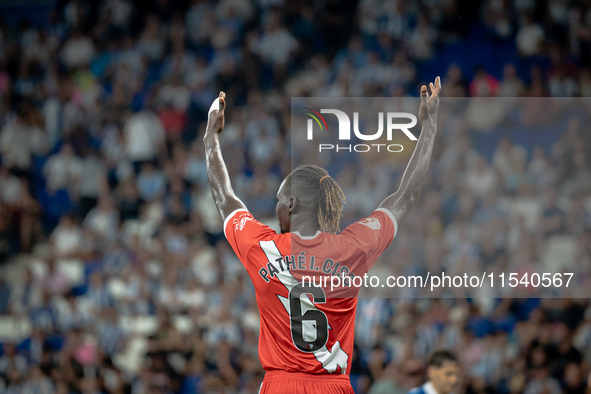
(281, 382)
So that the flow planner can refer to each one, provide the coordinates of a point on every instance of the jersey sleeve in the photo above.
(373, 234)
(243, 231)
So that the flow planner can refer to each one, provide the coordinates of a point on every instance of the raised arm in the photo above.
(219, 179)
(401, 202)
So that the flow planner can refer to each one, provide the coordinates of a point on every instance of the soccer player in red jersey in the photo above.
(306, 337)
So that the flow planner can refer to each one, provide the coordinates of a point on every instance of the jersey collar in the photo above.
(429, 389)
(307, 236)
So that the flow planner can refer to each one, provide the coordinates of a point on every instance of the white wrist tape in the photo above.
(215, 106)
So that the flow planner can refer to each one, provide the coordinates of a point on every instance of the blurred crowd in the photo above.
(115, 275)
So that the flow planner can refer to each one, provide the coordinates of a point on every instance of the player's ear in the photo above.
(293, 202)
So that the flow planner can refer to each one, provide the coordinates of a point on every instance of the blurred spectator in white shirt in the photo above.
(66, 237)
(19, 139)
(63, 170)
(10, 187)
(103, 219)
(530, 36)
(78, 50)
(276, 44)
(143, 135)
(481, 179)
(174, 93)
(511, 85)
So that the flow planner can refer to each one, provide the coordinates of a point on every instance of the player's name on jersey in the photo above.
(304, 264)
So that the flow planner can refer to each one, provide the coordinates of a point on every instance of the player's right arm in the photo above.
(400, 203)
(217, 173)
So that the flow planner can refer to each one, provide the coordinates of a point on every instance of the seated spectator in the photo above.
(511, 85)
(144, 137)
(553, 218)
(10, 187)
(539, 170)
(517, 177)
(63, 170)
(490, 254)
(20, 138)
(505, 157)
(454, 83)
(173, 120)
(11, 360)
(151, 42)
(481, 179)
(129, 201)
(54, 281)
(276, 44)
(561, 84)
(574, 380)
(151, 184)
(29, 212)
(421, 39)
(92, 183)
(530, 36)
(483, 84)
(174, 94)
(542, 382)
(78, 50)
(103, 219)
(67, 237)
(97, 295)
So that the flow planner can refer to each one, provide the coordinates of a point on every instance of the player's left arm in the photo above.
(401, 202)
(225, 199)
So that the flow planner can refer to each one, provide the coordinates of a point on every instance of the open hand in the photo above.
(216, 119)
(430, 104)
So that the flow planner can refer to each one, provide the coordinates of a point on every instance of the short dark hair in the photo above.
(439, 357)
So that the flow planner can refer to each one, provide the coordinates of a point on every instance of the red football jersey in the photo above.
(304, 329)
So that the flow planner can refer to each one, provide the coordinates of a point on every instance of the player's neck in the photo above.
(303, 226)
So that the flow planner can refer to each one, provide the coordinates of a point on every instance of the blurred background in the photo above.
(115, 276)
